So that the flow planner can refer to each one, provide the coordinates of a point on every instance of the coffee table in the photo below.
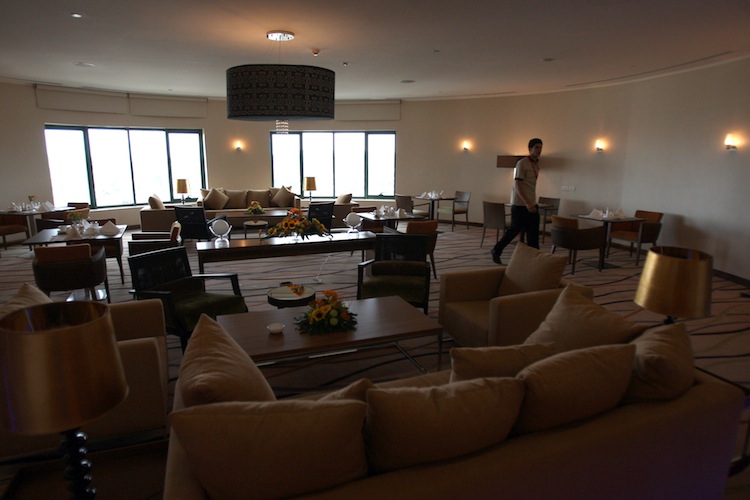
(380, 320)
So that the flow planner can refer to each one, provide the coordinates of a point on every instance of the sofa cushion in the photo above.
(215, 200)
(26, 296)
(282, 198)
(574, 385)
(576, 322)
(215, 368)
(664, 364)
(530, 269)
(262, 196)
(272, 450)
(155, 202)
(237, 198)
(493, 361)
(356, 390)
(409, 426)
(344, 198)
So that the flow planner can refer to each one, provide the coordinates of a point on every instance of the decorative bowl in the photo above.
(275, 328)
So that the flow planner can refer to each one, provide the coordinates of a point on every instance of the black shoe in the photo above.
(495, 257)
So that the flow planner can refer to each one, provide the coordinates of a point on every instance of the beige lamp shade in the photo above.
(676, 282)
(310, 184)
(59, 367)
(183, 186)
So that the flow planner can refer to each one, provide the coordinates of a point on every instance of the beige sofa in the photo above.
(143, 414)
(582, 423)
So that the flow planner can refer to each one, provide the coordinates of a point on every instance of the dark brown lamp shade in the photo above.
(59, 367)
(676, 282)
(280, 92)
(183, 186)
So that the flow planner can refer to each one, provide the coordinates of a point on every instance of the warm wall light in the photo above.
(466, 145)
(599, 145)
(238, 145)
(730, 143)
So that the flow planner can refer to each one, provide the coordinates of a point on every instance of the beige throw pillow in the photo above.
(344, 198)
(237, 198)
(262, 196)
(356, 390)
(26, 296)
(409, 426)
(664, 364)
(283, 198)
(530, 269)
(576, 322)
(272, 450)
(155, 202)
(215, 200)
(215, 369)
(574, 385)
(478, 362)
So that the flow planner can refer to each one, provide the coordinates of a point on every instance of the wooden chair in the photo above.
(10, 224)
(428, 228)
(635, 233)
(494, 218)
(565, 233)
(155, 240)
(406, 202)
(112, 247)
(70, 267)
(548, 213)
(458, 206)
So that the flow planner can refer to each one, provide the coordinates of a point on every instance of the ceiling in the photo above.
(382, 49)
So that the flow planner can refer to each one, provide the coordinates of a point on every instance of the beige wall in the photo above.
(665, 150)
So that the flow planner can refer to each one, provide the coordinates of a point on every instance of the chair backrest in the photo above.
(426, 227)
(579, 239)
(494, 215)
(151, 269)
(404, 201)
(78, 204)
(68, 253)
(174, 231)
(323, 211)
(193, 221)
(554, 202)
(649, 216)
(397, 246)
(569, 222)
(462, 199)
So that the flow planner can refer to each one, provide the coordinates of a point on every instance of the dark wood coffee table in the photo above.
(380, 321)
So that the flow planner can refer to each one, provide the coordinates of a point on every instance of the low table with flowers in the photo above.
(364, 323)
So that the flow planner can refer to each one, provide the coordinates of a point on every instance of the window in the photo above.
(111, 167)
(361, 163)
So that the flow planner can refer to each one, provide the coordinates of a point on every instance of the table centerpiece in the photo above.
(294, 224)
(255, 208)
(325, 315)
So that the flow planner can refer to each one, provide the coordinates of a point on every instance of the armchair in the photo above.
(645, 232)
(11, 225)
(399, 268)
(155, 240)
(428, 228)
(494, 218)
(166, 275)
(323, 211)
(194, 224)
(71, 267)
(407, 203)
(459, 206)
(565, 233)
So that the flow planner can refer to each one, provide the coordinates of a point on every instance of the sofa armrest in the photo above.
(476, 284)
(514, 317)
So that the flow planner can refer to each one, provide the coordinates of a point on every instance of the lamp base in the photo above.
(78, 470)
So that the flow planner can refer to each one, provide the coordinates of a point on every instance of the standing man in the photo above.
(524, 212)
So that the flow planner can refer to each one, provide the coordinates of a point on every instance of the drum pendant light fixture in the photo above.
(280, 92)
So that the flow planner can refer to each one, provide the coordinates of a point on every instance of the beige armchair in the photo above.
(473, 313)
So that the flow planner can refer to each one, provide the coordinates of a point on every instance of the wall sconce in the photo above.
(466, 145)
(238, 145)
(730, 143)
(599, 146)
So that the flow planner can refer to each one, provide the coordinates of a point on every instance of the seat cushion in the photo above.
(237, 198)
(467, 322)
(530, 269)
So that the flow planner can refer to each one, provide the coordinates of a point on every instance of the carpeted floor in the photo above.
(721, 342)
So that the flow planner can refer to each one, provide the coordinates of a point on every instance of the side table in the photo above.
(284, 297)
(254, 225)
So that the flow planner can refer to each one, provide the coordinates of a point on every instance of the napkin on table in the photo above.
(109, 229)
(619, 214)
(46, 207)
(596, 214)
(73, 234)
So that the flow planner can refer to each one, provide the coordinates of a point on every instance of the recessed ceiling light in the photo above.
(85, 64)
(280, 35)
(76, 15)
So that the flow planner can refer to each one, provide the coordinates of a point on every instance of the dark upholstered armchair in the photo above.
(400, 268)
(195, 226)
(71, 267)
(166, 275)
(155, 240)
(323, 211)
(566, 234)
(638, 234)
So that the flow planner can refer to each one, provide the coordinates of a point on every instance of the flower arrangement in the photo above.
(32, 197)
(294, 224)
(328, 314)
(297, 290)
(255, 208)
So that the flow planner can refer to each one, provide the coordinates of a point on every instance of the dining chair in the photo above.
(70, 267)
(494, 218)
(12, 225)
(155, 240)
(195, 226)
(459, 206)
(112, 247)
(406, 202)
(323, 211)
(428, 228)
(565, 233)
(637, 233)
(554, 208)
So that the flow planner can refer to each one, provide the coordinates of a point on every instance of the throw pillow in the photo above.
(664, 365)
(155, 202)
(215, 369)
(204, 193)
(356, 390)
(283, 198)
(344, 198)
(237, 198)
(410, 426)
(575, 322)
(262, 196)
(478, 362)
(272, 450)
(215, 200)
(530, 269)
(26, 296)
(574, 385)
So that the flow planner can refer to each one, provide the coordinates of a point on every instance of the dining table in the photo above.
(391, 220)
(433, 201)
(30, 215)
(609, 222)
(56, 235)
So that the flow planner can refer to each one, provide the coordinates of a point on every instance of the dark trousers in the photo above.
(520, 220)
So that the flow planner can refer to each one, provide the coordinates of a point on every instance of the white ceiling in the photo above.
(449, 49)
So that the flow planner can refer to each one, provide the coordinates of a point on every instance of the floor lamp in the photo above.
(676, 282)
(77, 377)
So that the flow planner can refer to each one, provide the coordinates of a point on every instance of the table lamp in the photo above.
(310, 185)
(676, 282)
(183, 188)
(59, 369)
